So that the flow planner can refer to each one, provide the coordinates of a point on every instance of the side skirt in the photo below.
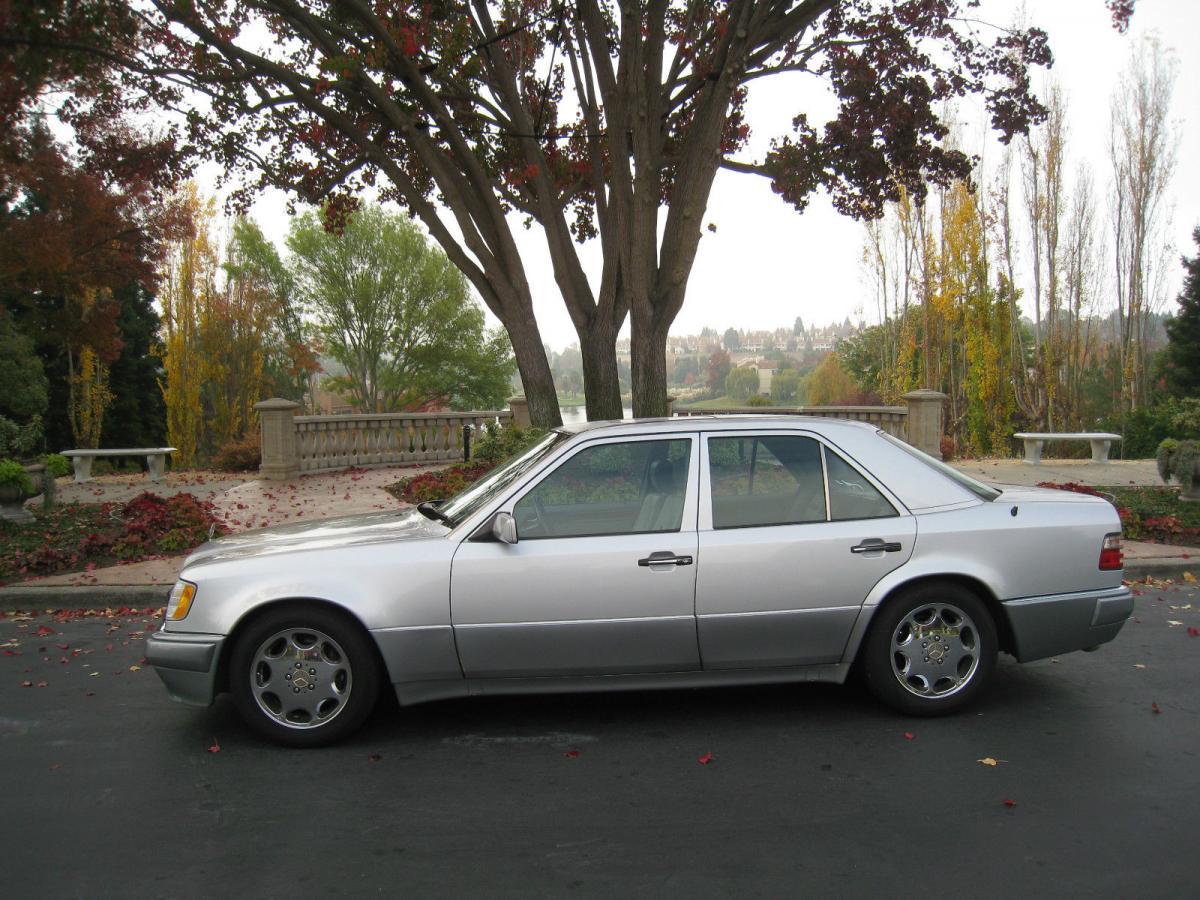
(413, 692)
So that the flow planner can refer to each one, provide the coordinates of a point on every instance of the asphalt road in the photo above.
(108, 789)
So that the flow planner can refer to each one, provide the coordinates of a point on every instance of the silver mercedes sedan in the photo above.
(651, 554)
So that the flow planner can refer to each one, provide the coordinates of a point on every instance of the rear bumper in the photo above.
(187, 664)
(1059, 623)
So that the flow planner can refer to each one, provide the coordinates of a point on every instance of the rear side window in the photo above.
(851, 496)
(765, 480)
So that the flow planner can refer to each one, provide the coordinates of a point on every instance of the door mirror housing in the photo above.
(504, 528)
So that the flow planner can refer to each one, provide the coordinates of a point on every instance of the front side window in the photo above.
(765, 480)
(636, 487)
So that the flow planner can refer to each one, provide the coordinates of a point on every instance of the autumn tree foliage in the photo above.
(83, 220)
(592, 120)
(224, 329)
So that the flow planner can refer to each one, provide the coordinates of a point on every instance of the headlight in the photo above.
(180, 600)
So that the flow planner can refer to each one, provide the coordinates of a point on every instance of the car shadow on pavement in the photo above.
(1015, 691)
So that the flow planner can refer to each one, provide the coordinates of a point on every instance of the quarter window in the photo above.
(635, 487)
(765, 480)
(851, 496)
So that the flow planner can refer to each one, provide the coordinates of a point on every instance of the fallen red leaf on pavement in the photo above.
(215, 748)
(705, 759)
(1009, 803)
(1154, 708)
(43, 630)
(1193, 632)
(63, 646)
(572, 754)
(41, 684)
(26, 684)
(375, 757)
(908, 735)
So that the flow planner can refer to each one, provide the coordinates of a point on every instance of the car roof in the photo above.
(712, 422)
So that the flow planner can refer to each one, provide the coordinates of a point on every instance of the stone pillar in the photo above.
(280, 455)
(670, 407)
(520, 412)
(924, 427)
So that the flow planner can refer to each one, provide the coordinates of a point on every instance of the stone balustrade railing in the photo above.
(293, 444)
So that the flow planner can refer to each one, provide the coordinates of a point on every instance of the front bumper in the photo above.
(1059, 623)
(187, 664)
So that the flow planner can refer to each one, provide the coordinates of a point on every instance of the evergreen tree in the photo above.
(137, 415)
(1182, 364)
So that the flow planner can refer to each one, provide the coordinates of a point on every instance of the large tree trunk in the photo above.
(649, 362)
(535, 373)
(601, 386)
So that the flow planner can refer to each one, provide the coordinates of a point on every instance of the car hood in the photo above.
(1023, 493)
(320, 534)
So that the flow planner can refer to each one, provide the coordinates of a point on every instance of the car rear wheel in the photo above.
(930, 651)
(303, 675)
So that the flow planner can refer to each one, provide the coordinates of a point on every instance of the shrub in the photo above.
(759, 400)
(12, 472)
(20, 440)
(242, 455)
(501, 444)
(57, 464)
(1143, 429)
(154, 524)
(437, 485)
(1178, 459)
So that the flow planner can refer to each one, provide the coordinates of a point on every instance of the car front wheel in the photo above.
(303, 675)
(930, 651)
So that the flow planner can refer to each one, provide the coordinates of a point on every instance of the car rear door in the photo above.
(792, 537)
(602, 579)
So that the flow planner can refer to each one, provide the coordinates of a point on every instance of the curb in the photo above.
(19, 597)
(1167, 567)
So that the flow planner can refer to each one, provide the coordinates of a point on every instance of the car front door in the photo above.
(792, 538)
(602, 578)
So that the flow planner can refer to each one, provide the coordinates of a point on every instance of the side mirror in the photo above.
(504, 528)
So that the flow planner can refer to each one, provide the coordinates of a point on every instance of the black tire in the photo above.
(923, 620)
(339, 667)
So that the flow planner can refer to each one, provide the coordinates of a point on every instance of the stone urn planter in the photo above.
(13, 495)
(1179, 461)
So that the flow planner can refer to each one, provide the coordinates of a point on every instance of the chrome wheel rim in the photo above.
(301, 678)
(935, 650)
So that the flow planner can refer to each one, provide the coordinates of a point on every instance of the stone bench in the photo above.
(1100, 442)
(156, 460)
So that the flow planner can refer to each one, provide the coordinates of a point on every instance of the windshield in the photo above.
(978, 488)
(467, 502)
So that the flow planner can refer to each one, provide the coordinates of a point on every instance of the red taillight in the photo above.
(1110, 553)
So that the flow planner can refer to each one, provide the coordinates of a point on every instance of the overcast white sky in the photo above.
(767, 264)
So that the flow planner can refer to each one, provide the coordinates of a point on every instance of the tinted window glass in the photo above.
(627, 488)
(850, 495)
(767, 480)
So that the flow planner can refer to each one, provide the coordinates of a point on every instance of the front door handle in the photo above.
(875, 545)
(665, 558)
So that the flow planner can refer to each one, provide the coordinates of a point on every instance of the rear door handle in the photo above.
(665, 558)
(875, 545)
